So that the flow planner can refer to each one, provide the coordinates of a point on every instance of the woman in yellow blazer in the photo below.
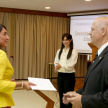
(6, 72)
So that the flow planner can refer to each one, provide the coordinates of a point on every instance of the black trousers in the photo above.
(65, 83)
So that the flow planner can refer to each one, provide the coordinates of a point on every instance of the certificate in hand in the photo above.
(41, 84)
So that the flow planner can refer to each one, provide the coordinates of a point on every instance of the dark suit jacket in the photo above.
(95, 90)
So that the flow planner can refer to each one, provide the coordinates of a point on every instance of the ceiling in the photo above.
(64, 6)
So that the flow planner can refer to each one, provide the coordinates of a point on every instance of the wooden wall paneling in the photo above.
(33, 12)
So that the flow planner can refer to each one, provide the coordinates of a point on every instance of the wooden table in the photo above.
(50, 103)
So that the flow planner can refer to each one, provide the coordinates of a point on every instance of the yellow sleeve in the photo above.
(6, 86)
(3, 63)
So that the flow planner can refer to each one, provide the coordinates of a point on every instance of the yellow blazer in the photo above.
(6, 86)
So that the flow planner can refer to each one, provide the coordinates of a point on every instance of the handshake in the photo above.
(72, 97)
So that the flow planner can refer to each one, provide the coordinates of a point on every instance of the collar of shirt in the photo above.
(66, 50)
(102, 48)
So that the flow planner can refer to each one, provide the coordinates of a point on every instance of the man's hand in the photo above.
(67, 95)
(75, 99)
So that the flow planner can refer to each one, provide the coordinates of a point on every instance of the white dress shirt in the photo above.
(102, 48)
(67, 65)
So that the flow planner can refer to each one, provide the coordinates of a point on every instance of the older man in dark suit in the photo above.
(94, 93)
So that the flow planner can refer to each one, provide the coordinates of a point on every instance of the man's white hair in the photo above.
(102, 22)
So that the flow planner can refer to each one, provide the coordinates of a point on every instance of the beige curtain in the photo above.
(34, 41)
(5, 19)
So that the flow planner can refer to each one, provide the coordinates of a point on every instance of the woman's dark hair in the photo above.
(1, 27)
(69, 37)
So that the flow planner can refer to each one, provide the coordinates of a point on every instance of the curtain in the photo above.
(34, 41)
(5, 19)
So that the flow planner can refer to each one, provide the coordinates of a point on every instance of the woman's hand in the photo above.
(26, 85)
(55, 70)
(58, 66)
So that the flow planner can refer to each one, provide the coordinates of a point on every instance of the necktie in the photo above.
(91, 64)
(93, 60)
(95, 57)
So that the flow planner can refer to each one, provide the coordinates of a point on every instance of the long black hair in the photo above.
(1, 27)
(69, 37)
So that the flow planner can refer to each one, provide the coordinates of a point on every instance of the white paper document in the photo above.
(41, 84)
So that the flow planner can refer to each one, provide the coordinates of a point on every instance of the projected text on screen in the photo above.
(80, 27)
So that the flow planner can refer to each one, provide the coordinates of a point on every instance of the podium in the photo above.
(94, 50)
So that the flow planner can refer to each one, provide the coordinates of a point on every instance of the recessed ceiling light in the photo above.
(47, 7)
(87, 0)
